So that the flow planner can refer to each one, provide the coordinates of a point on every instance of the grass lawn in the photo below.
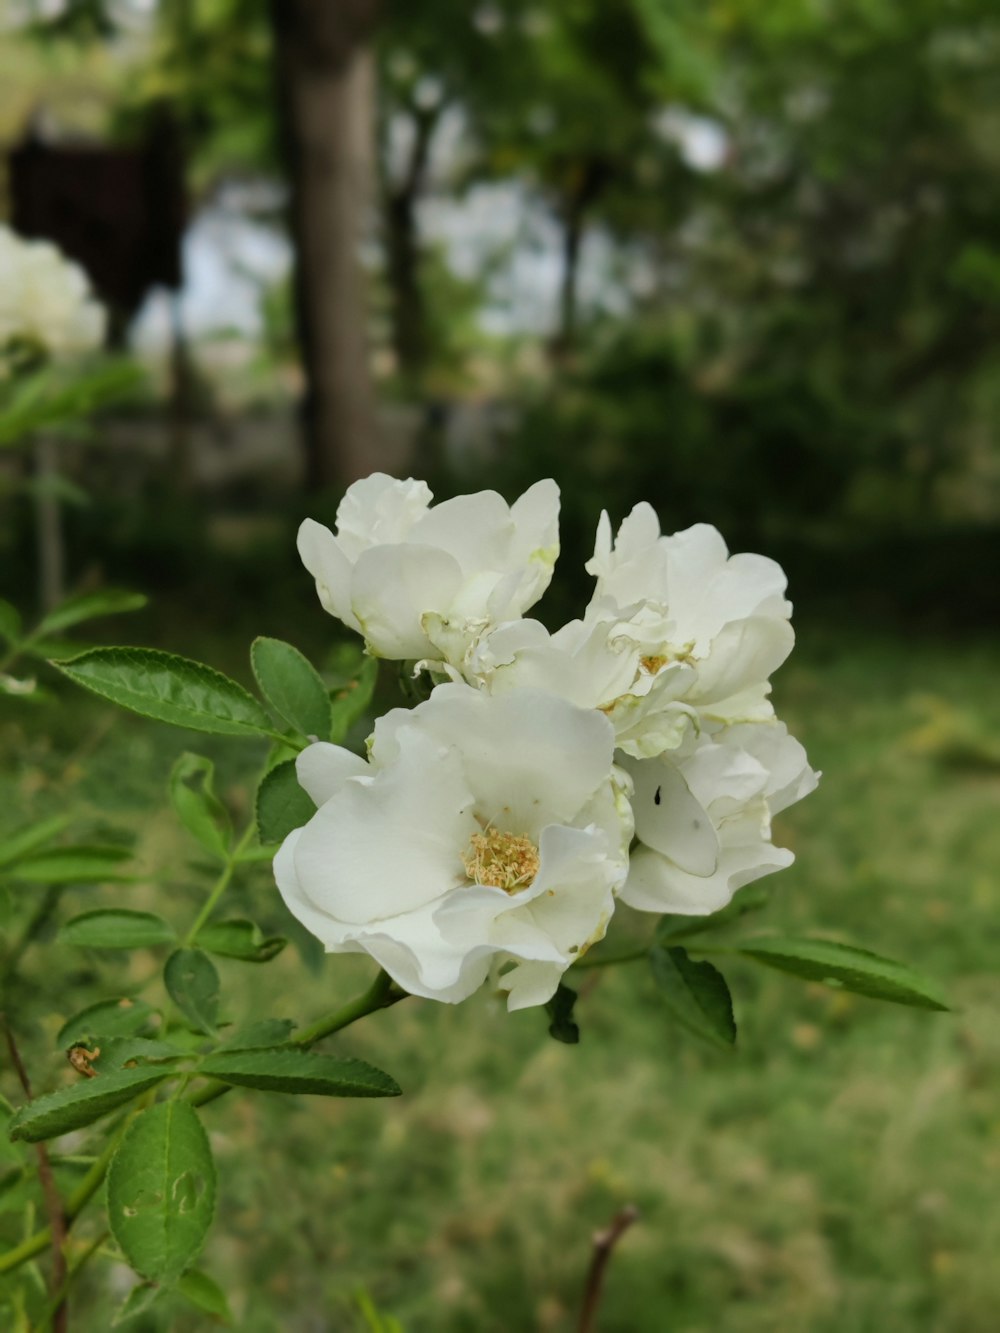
(838, 1174)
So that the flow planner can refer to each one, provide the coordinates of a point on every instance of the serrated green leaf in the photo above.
(25, 840)
(120, 1052)
(88, 606)
(205, 1294)
(161, 1191)
(240, 939)
(116, 928)
(846, 967)
(75, 865)
(282, 805)
(289, 1070)
(351, 701)
(193, 984)
(82, 1103)
(170, 689)
(192, 794)
(560, 1011)
(292, 687)
(696, 995)
(267, 1034)
(107, 1018)
(10, 622)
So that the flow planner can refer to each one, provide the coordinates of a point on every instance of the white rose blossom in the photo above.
(703, 816)
(424, 583)
(482, 834)
(491, 829)
(45, 299)
(685, 599)
(678, 634)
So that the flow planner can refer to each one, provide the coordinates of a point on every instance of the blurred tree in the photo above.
(325, 77)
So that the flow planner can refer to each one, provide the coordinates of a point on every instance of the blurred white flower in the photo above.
(703, 816)
(421, 582)
(483, 833)
(45, 300)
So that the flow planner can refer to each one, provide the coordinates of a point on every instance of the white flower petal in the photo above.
(389, 584)
(322, 769)
(320, 552)
(382, 848)
(669, 818)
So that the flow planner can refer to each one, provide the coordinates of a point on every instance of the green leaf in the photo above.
(121, 1052)
(116, 928)
(268, 1033)
(205, 1294)
(107, 1018)
(282, 805)
(560, 1011)
(161, 1191)
(289, 1070)
(82, 1103)
(192, 794)
(847, 967)
(10, 622)
(240, 939)
(292, 687)
(170, 689)
(351, 702)
(193, 984)
(696, 995)
(25, 840)
(140, 1300)
(75, 865)
(89, 606)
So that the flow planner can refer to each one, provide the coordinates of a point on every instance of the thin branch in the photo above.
(604, 1242)
(53, 1203)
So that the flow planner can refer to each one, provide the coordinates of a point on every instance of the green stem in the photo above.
(60, 1296)
(219, 887)
(609, 960)
(379, 995)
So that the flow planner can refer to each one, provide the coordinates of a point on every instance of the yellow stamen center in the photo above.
(651, 665)
(504, 860)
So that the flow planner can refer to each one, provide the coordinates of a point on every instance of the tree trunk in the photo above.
(402, 243)
(325, 75)
(587, 182)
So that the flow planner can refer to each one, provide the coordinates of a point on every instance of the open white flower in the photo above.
(597, 664)
(703, 816)
(45, 299)
(683, 599)
(421, 582)
(482, 831)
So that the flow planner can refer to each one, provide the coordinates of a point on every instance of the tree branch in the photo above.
(53, 1203)
(604, 1243)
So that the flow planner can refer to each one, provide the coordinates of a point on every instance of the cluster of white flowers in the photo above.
(45, 300)
(632, 755)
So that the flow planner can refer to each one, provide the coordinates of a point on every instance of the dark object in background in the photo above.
(119, 212)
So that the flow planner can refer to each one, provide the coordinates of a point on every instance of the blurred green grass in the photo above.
(839, 1172)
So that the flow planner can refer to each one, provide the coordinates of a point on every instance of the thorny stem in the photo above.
(53, 1203)
(604, 1242)
(380, 995)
